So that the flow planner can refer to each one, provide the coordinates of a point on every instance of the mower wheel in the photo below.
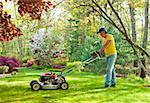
(64, 85)
(35, 86)
(33, 81)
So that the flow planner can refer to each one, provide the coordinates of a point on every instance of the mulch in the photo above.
(121, 75)
(146, 85)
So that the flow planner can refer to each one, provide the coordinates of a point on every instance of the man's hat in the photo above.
(100, 30)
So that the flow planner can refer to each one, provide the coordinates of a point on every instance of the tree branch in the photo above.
(124, 32)
(111, 21)
(126, 35)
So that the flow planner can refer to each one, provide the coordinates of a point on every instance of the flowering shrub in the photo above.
(30, 62)
(58, 66)
(44, 47)
(10, 62)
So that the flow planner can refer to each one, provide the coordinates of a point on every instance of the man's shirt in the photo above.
(110, 48)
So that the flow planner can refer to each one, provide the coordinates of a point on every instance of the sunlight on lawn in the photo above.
(82, 89)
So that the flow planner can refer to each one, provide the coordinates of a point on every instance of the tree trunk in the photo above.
(145, 38)
(20, 49)
(133, 23)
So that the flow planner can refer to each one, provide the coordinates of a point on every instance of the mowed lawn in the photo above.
(83, 88)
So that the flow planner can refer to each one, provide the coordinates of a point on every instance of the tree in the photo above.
(117, 23)
(133, 23)
(114, 17)
(145, 38)
(8, 31)
(33, 7)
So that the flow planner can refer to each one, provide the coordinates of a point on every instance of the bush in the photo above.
(30, 62)
(44, 46)
(10, 62)
(3, 69)
(62, 60)
(97, 67)
(34, 65)
(75, 65)
(25, 59)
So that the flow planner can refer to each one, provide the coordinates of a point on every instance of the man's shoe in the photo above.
(113, 85)
(107, 86)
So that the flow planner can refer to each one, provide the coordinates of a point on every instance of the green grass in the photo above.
(83, 88)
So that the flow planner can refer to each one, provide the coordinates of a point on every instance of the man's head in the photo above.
(102, 32)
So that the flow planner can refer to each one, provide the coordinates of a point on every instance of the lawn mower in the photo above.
(50, 80)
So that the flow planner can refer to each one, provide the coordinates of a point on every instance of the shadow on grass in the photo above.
(24, 93)
(82, 87)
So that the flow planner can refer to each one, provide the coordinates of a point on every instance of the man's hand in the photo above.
(104, 46)
(95, 54)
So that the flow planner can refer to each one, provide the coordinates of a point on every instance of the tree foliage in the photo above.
(7, 30)
(33, 7)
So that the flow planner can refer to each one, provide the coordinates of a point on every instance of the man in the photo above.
(111, 54)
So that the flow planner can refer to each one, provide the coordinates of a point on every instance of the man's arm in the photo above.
(104, 46)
